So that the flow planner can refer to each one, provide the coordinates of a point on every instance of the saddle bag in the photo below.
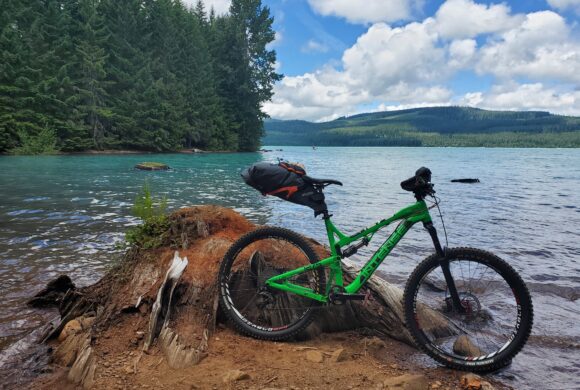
(286, 181)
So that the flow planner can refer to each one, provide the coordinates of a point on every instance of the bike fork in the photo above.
(444, 266)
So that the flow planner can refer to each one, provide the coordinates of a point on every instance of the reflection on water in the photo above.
(66, 214)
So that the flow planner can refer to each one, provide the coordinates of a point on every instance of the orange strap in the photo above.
(291, 190)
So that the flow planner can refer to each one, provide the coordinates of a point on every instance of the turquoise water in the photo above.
(65, 214)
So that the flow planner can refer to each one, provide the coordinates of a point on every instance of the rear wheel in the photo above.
(256, 309)
(495, 318)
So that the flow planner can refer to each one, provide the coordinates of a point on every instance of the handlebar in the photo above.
(420, 184)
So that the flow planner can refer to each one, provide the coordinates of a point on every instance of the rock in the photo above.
(235, 375)
(66, 352)
(53, 293)
(436, 385)
(314, 356)
(71, 327)
(375, 344)
(407, 382)
(339, 355)
(471, 382)
(87, 322)
(486, 386)
(464, 346)
(152, 166)
(304, 348)
(140, 335)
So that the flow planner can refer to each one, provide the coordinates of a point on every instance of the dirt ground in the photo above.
(347, 360)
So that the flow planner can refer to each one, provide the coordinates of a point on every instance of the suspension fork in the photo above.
(444, 262)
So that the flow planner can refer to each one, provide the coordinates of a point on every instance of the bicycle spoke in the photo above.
(487, 319)
(261, 306)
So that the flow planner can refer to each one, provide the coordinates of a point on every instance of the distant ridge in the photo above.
(431, 126)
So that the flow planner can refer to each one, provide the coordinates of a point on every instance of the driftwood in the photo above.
(170, 293)
(465, 181)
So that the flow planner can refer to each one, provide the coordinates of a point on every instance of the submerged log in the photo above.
(165, 300)
(465, 181)
(152, 166)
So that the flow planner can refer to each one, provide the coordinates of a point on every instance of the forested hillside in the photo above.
(433, 126)
(132, 74)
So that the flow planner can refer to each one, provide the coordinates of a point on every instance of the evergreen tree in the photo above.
(90, 97)
(139, 74)
(246, 67)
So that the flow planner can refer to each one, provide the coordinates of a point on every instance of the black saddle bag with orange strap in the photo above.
(285, 181)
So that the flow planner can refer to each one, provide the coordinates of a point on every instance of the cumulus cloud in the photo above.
(534, 96)
(384, 56)
(366, 11)
(408, 66)
(540, 47)
(389, 64)
(467, 19)
(462, 53)
(565, 4)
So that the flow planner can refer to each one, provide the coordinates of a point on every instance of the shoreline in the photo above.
(122, 152)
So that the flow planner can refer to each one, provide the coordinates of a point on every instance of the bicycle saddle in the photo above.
(322, 182)
(420, 183)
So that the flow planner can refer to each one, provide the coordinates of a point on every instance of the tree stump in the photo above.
(167, 297)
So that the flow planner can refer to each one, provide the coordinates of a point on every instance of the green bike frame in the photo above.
(410, 215)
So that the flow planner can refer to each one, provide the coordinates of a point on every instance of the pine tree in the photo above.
(89, 97)
(9, 62)
(125, 63)
(139, 74)
(246, 67)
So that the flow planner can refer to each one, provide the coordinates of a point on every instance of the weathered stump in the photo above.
(167, 298)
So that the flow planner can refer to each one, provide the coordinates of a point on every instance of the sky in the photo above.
(343, 57)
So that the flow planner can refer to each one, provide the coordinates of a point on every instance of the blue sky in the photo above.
(342, 57)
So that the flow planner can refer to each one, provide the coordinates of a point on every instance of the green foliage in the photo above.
(434, 126)
(42, 143)
(153, 214)
(136, 74)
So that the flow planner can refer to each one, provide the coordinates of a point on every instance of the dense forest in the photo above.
(134, 74)
(432, 126)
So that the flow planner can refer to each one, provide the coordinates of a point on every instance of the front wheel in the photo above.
(491, 325)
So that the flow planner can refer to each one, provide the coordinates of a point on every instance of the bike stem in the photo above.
(444, 266)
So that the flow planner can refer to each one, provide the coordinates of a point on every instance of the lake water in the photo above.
(66, 214)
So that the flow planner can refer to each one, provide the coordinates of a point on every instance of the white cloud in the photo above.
(526, 97)
(539, 48)
(408, 66)
(565, 4)
(313, 46)
(396, 107)
(387, 64)
(384, 56)
(461, 53)
(220, 6)
(366, 11)
(467, 19)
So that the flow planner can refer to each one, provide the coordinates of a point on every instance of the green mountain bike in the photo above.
(466, 308)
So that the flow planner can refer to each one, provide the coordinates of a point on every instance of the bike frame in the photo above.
(409, 216)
